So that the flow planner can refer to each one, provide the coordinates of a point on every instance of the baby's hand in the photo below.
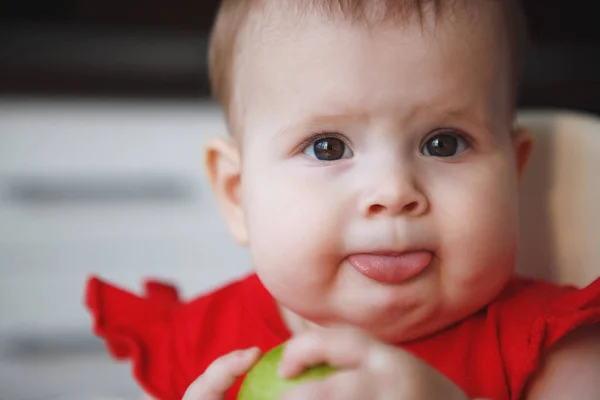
(369, 369)
(221, 374)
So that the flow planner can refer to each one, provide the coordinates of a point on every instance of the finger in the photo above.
(341, 386)
(339, 347)
(221, 374)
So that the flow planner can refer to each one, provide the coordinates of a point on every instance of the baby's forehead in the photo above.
(243, 27)
(275, 42)
(345, 72)
(288, 21)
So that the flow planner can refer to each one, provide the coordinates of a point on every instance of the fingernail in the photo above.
(252, 351)
(244, 354)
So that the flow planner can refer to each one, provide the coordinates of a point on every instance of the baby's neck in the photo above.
(294, 322)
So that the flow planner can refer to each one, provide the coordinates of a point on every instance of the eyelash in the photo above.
(452, 131)
(449, 131)
(327, 134)
(321, 135)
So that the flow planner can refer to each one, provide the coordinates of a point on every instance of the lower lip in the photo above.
(391, 268)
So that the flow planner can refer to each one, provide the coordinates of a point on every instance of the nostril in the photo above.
(411, 206)
(376, 208)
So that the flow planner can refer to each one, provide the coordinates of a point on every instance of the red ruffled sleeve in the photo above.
(140, 329)
(559, 310)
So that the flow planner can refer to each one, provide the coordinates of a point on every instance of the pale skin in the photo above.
(384, 92)
(570, 371)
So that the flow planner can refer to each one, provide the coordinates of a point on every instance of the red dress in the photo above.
(491, 354)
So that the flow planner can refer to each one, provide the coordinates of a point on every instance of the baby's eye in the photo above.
(445, 145)
(328, 149)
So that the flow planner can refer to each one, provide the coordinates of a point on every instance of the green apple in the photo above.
(264, 383)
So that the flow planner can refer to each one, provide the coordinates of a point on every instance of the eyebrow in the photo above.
(460, 113)
(337, 119)
(468, 117)
(320, 120)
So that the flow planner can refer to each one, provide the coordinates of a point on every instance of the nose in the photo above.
(394, 194)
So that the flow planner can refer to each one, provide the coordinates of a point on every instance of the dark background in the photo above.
(141, 48)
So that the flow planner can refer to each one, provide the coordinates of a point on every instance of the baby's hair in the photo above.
(233, 15)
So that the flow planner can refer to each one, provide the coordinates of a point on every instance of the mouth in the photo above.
(391, 267)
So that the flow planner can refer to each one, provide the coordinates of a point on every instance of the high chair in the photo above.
(560, 198)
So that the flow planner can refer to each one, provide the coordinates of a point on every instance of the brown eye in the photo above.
(328, 149)
(444, 145)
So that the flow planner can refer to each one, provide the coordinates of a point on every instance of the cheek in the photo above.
(290, 223)
(293, 241)
(478, 220)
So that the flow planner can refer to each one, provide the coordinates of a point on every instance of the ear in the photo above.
(224, 170)
(523, 146)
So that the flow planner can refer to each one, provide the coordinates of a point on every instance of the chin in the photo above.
(393, 324)
(406, 331)
(398, 324)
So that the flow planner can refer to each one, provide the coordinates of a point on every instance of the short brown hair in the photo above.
(233, 14)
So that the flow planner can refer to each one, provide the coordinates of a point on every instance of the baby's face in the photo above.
(361, 145)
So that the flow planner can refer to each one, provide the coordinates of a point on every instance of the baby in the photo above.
(372, 170)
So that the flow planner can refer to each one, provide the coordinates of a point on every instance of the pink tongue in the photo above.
(391, 268)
